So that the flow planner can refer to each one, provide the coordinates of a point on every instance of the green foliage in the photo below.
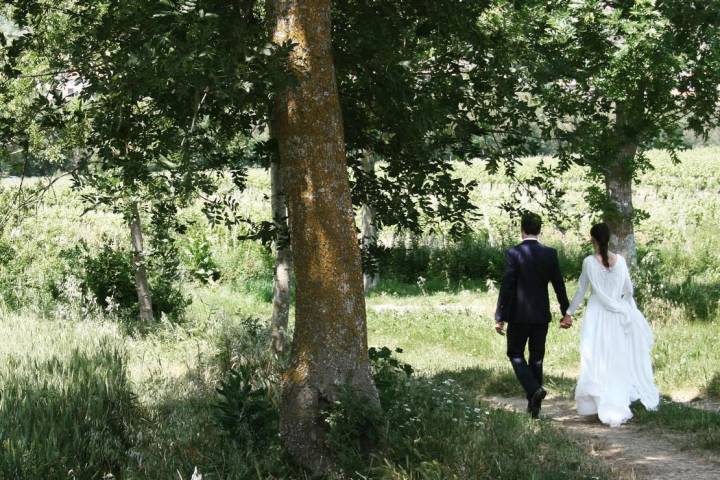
(245, 412)
(60, 415)
(673, 276)
(429, 429)
(181, 85)
(356, 427)
(230, 433)
(469, 262)
(401, 98)
(247, 405)
(605, 82)
(388, 371)
(199, 261)
(9, 274)
(713, 387)
(106, 277)
(469, 258)
(249, 268)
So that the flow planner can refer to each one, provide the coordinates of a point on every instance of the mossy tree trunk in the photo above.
(329, 347)
(618, 186)
(142, 285)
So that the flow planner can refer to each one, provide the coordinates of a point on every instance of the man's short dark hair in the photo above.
(531, 223)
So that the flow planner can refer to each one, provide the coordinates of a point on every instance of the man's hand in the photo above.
(566, 322)
(500, 328)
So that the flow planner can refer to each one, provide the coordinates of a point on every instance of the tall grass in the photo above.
(78, 393)
(66, 417)
(67, 409)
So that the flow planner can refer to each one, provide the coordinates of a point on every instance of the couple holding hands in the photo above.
(615, 340)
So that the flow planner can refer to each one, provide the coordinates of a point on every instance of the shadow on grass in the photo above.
(185, 430)
(74, 413)
(502, 382)
(701, 427)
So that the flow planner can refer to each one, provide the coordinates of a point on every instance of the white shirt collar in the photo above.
(533, 239)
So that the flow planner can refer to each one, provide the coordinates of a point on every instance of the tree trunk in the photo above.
(618, 186)
(329, 349)
(141, 280)
(283, 261)
(368, 229)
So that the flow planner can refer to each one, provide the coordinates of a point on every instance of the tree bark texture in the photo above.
(142, 286)
(368, 229)
(618, 186)
(283, 261)
(329, 348)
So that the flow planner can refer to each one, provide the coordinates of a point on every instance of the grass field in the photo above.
(81, 391)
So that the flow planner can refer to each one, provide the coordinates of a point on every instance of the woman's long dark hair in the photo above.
(601, 234)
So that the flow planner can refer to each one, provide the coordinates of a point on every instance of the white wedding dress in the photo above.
(615, 346)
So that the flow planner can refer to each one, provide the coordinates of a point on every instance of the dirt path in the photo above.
(633, 454)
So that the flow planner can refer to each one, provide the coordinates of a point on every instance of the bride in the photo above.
(615, 339)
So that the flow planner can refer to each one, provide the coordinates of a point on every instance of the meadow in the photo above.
(86, 393)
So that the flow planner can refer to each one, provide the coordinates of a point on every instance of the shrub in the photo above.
(713, 386)
(247, 404)
(198, 260)
(470, 258)
(107, 278)
(672, 277)
(9, 275)
(389, 373)
(245, 411)
(249, 268)
(431, 430)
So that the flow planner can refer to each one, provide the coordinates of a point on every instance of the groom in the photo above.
(524, 305)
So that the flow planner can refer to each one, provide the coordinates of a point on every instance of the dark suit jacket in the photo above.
(529, 268)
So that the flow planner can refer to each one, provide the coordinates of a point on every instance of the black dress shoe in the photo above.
(536, 402)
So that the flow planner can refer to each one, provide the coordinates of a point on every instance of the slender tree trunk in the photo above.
(488, 226)
(368, 229)
(618, 185)
(283, 261)
(329, 349)
(141, 279)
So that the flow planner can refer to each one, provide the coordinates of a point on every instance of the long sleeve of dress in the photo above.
(628, 290)
(583, 285)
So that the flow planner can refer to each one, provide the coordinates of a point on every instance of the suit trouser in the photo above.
(531, 334)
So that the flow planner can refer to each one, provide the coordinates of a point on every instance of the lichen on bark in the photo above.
(329, 347)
